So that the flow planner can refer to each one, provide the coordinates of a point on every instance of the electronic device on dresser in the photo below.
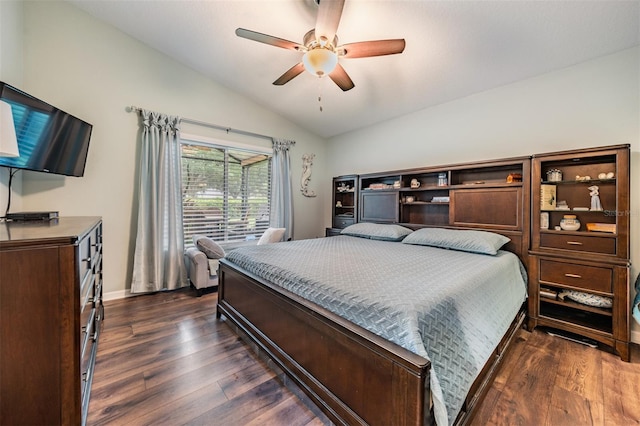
(50, 319)
(579, 257)
(26, 216)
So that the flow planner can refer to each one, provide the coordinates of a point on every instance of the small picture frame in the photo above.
(544, 220)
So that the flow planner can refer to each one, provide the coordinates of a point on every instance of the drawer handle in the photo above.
(85, 376)
(573, 275)
(574, 243)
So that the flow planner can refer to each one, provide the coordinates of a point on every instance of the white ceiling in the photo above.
(453, 48)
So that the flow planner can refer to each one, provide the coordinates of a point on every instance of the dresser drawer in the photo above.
(581, 276)
(86, 368)
(342, 222)
(88, 250)
(591, 243)
(87, 288)
(84, 258)
(87, 330)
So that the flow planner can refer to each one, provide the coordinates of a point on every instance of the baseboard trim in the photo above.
(115, 295)
(635, 335)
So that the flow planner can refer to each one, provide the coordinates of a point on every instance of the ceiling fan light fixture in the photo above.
(321, 53)
(319, 61)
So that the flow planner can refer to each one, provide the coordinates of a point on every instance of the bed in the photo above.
(378, 328)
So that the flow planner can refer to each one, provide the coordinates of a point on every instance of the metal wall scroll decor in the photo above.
(307, 162)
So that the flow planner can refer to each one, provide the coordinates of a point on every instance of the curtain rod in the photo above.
(133, 108)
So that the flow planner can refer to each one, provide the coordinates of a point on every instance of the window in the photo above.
(225, 191)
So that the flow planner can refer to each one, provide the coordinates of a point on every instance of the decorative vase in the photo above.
(570, 223)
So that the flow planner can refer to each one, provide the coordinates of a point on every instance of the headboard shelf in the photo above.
(489, 195)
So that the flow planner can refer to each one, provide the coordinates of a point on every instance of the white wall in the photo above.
(591, 104)
(11, 30)
(595, 103)
(94, 71)
(11, 46)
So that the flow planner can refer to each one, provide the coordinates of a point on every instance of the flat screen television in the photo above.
(49, 139)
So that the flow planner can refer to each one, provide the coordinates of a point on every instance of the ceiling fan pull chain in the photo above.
(320, 92)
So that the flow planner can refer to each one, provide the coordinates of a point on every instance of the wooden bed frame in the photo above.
(352, 375)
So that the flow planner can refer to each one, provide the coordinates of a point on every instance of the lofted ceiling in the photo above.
(453, 48)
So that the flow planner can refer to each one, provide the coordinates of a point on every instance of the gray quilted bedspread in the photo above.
(448, 306)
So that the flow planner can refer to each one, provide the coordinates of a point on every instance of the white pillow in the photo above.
(272, 235)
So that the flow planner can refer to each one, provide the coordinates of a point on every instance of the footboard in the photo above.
(353, 375)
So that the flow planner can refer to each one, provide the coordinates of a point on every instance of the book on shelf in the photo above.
(602, 227)
(380, 186)
(440, 200)
(547, 197)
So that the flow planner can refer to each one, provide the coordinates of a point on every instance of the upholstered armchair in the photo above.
(202, 263)
(202, 260)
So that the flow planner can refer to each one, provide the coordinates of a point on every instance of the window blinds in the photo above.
(225, 192)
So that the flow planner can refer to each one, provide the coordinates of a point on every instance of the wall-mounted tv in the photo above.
(49, 139)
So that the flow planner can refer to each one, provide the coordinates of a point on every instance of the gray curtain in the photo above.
(281, 193)
(158, 262)
(636, 302)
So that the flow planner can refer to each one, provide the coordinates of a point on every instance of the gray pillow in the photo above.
(377, 231)
(456, 239)
(208, 247)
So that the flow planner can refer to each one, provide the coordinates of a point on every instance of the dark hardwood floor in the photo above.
(164, 359)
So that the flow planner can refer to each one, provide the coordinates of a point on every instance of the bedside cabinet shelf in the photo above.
(345, 203)
(576, 320)
(579, 306)
(590, 262)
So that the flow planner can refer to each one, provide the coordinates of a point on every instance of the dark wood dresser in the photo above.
(50, 316)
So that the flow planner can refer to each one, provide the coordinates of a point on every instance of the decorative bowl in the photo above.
(570, 223)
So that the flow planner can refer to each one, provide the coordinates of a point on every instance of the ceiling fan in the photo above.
(321, 49)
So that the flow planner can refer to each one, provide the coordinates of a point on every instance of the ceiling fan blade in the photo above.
(365, 49)
(267, 39)
(341, 78)
(294, 71)
(329, 13)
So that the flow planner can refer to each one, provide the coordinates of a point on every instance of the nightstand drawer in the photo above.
(332, 232)
(581, 276)
(342, 222)
(591, 243)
